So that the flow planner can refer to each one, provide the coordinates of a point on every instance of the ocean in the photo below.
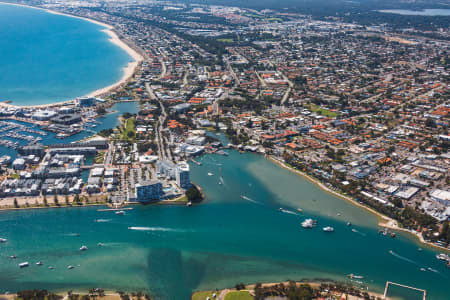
(48, 58)
(239, 234)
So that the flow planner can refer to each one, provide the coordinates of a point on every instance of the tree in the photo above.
(193, 194)
(16, 205)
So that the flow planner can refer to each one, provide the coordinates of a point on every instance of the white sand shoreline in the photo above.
(128, 71)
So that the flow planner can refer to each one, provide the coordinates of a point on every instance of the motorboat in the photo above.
(299, 209)
(51, 268)
(99, 244)
(210, 174)
(24, 264)
(13, 256)
(189, 203)
(39, 263)
(120, 213)
(442, 256)
(328, 229)
(83, 248)
(70, 267)
(353, 276)
(2, 240)
(423, 269)
(308, 223)
(349, 224)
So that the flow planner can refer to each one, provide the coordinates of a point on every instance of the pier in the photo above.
(403, 286)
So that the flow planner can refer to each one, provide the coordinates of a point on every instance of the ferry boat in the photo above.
(83, 248)
(24, 264)
(308, 223)
(328, 229)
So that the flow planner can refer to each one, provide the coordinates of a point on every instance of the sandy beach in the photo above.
(383, 221)
(128, 71)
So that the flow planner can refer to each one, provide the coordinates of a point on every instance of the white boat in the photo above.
(99, 244)
(354, 230)
(353, 276)
(70, 267)
(51, 268)
(83, 248)
(13, 256)
(308, 223)
(189, 203)
(210, 174)
(328, 229)
(423, 269)
(120, 212)
(39, 263)
(2, 240)
(349, 224)
(24, 264)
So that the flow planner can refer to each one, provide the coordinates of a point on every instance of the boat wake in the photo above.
(359, 232)
(286, 211)
(161, 229)
(72, 234)
(403, 258)
(250, 200)
(221, 180)
(102, 220)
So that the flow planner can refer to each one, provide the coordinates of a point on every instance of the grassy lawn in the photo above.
(202, 295)
(99, 158)
(322, 111)
(128, 132)
(238, 295)
(226, 40)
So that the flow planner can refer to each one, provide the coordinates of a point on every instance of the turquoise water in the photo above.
(171, 251)
(425, 12)
(48, 58)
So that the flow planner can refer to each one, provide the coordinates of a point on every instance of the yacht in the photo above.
(39, 263)
(328, 229)
(24, 264)
(442, 256)
(2, 240)
(308, 223)
(120, 212)
(83, 248)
